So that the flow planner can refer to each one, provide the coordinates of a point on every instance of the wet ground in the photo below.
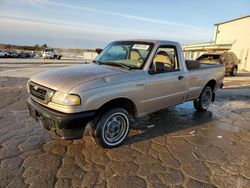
(176, 147)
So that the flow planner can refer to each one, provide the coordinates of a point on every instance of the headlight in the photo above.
(65, 99)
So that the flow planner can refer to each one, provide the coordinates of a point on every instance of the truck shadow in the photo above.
(167, 121)
(239, 74)
(243, 74)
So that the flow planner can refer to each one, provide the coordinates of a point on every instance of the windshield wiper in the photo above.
(117, 64)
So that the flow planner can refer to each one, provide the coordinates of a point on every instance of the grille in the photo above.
(38, 92)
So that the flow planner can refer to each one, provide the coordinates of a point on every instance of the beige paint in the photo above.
(236, 32)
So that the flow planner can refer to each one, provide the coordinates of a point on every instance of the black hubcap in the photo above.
(113, 128)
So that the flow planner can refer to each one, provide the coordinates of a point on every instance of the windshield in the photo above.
(49, 50)
(130, 54)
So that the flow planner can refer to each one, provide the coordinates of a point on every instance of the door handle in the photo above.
(180, 77)
(140, 83)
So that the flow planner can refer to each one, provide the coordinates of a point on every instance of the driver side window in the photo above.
(165, 60)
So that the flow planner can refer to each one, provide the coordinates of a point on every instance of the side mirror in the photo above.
(98, 50)
(151, 71)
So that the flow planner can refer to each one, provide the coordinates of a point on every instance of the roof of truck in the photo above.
(155, 41)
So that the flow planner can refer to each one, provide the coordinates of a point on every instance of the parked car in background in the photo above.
(3, 53)
(12, 54)
(50, 53)
(24, 54)
(38, 54)
(229, 59)
(32, 54)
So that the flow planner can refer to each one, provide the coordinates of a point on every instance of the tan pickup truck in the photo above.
(128, 79)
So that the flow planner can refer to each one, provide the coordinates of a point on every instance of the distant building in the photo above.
(193, 51)
(232, 35)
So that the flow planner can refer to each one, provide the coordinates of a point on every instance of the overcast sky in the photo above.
(93, 23)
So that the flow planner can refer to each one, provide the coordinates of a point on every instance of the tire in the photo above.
(112, 128)
(203, 102)
(233, 71)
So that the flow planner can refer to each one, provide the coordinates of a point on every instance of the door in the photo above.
(165, 83)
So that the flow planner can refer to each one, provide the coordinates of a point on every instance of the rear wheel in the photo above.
(233, 71)
(203, 102)
(112, 128)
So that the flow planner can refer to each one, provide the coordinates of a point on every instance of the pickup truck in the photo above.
(50, 53)
(127, 80)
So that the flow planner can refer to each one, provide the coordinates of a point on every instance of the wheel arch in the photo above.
(211, 83)
(121, 102)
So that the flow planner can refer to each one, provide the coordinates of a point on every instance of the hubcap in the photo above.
(206, 99)
(115, 128)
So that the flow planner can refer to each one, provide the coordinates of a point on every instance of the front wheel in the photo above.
(112, 128)
(203, 102)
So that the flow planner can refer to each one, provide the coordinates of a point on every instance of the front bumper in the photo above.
(65, 126)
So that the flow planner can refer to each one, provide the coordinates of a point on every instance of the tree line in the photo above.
(36, 47)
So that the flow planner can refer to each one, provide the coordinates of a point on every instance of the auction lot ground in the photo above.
(176, 147)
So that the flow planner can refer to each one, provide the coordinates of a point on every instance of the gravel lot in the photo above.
(176, 147)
